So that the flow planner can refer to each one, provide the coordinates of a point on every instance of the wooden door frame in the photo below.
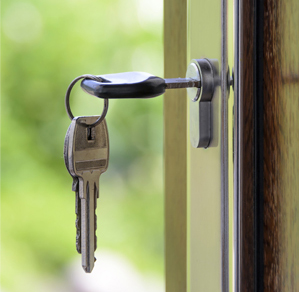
(266, 145)
(248, 152)
(175, 147)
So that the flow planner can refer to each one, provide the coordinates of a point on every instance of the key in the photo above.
(88, 156)
(135, 85)
(75, 188)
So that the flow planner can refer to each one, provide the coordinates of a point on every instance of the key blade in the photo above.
(182, 83)
(88, 221)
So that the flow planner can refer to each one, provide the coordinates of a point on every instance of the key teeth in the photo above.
(78, 238)
(96, 192)
(75, 185)
(78, 223)
(95, 236)
(78, 244)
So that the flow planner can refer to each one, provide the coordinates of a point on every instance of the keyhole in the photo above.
(90, 134)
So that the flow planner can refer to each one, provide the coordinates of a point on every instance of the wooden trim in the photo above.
(246, 146)
(251, 145)
(175, 147)
(269, 177)
(281, 145)
(258, 108)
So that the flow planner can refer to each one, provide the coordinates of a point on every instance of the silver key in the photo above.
(75, 187)
(88, 156)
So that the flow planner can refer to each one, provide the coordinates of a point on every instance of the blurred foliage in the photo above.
(46, 44)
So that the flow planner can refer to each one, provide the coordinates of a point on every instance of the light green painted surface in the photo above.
(204, 165)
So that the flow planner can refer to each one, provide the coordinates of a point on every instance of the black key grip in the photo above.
(125, 85)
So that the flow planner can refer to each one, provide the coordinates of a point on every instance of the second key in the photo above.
(89, 159)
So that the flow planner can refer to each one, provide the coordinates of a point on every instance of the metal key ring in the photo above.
(67, 99)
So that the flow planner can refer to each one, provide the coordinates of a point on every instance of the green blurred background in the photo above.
(45, 45)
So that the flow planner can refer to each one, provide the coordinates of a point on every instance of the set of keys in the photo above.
(86, 146)
(86, 156)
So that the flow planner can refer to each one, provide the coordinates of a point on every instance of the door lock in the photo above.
(201, 100)
(202, 77)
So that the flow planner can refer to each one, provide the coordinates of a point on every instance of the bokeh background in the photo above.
(45, 45)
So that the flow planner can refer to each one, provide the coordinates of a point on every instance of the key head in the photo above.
(88, 147)
(68, 146)
(125, 85)
(75, 184)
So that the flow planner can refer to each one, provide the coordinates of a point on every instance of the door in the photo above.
(197, 179)
(231, 209)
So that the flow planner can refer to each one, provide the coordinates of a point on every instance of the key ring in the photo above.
(67, 99)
